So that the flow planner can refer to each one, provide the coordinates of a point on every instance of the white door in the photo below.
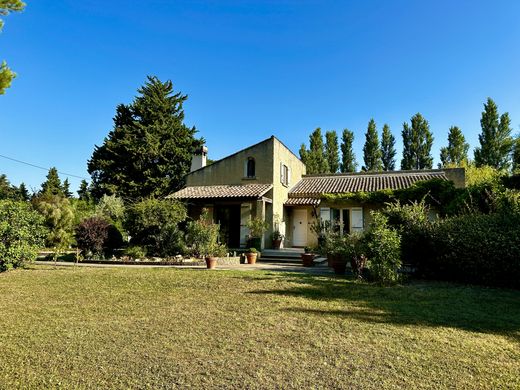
(299, 227)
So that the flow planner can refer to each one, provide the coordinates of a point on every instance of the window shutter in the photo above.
(288, 175)
(281, 173)
(356, 215)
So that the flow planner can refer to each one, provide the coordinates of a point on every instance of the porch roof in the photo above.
(316, 185)
(222, 191)
(301, 201)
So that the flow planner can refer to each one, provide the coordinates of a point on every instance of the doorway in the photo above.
(299, 227)
(228, 216)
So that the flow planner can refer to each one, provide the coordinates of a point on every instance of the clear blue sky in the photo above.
(252, 69)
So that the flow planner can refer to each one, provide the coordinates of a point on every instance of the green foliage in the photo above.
(6, 74)
(417, 144)
(111, 207)
(456, 153)
(52, 185)
(348, 158)
(84, 191)
(495, 140)
(332, 151)
(202, 237)
(58, 214)
(66, 189)
(481, 175)
(135, 252)
(315, 158)
(22, 234)
(149, 150)
(383, 250)
(516, 155)
(257, 227)
(8, 191)
(153, 223)
(371, 149)
(82, 209)
(252, 250)
(387, 149)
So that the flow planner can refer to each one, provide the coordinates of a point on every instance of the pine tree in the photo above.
(387, 149)
(6, 74)
(52, 185)
(495, 140)
(332, 150)
(417, 144)
(456, 153)
(66, 189)
(84, 191)
(149, 151)
(23, 193)
(372, 149)
(348, 158)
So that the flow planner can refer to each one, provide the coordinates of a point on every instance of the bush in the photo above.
(352, 248)
(135, 252)
(153, 223)
(91, 236)
(383, 250)
(202, 237)
(22, 233)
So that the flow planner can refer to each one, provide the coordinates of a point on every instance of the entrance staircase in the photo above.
(290, 255)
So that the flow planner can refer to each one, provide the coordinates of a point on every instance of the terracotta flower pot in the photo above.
(331, 258)
(251, 257)
(339, 265)
(211, 262)
(277, 244)
(308, 259)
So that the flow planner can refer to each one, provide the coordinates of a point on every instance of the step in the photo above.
(282, 253)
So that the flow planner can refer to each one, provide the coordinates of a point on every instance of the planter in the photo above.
(277, 243)
(254, 242)
(211, 262)
(308, 259)
(251, 257)
(339, 265)
(331, 258)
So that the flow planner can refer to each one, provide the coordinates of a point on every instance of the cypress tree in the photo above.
(388, 149)
(495, 140)
(456, 153)
(348, 158)
(332, 151)
(371, 149)
(149, 150)
(417, 144)
(66, 189)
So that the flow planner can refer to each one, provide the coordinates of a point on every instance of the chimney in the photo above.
(199, 158)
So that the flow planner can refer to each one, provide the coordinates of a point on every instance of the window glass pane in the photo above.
(346, 221)
(251, 167)
(335, 219)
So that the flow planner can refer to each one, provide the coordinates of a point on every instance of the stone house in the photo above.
(268, 181)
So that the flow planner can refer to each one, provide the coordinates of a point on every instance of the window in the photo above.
(250, 168)
(345, 220)
(285, 174)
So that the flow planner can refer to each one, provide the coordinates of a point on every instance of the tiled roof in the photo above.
(302, 202)
(315, 185)
(222, 191)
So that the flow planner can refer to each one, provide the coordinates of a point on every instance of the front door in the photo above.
(299, 227)
(228, 216)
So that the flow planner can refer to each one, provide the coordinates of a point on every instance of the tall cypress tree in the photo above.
(149, 150)
(388, 149)
(417, 144)
(332, 150)
(372, 149)
(348, 158)
(456, 153)
(315, 157)
(495, 140)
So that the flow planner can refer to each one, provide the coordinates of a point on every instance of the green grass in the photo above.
(167, 328)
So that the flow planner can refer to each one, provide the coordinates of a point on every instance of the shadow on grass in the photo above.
(472, 308)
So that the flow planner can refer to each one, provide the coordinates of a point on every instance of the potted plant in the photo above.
(308, 257)
(277, 239)
(214, 252)
(257, 228)
(251, 255)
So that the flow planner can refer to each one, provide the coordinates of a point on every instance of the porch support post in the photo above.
(260, 213)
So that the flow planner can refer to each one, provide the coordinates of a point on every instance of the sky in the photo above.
(251, 69)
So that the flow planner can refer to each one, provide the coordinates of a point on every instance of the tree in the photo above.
(52, 185)
(456, 153)
(495, 140)
(417, 144)
(23, 193)
(6, 189)
(21, 234)
(314, 158)
(66, 189)
(149, 150)
(84, 191)
(332, 151)
(371, 149)
(348, 158)
(387, 149)
(91, 236)
(516, 155)
(6, 74)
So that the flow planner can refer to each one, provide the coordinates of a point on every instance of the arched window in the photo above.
(250, 167)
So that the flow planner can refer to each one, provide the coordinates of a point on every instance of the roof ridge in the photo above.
(376, 173)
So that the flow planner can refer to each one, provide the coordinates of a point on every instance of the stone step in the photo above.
(282, 253)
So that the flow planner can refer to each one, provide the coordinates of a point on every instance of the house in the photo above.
(268, 181)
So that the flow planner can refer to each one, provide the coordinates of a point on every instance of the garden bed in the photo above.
(195, 262)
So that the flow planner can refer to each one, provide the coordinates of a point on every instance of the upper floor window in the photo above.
(250, 168)
(285, 174)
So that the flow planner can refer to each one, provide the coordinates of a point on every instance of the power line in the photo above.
(40, 167)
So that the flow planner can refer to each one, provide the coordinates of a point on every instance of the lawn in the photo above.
(167, 328)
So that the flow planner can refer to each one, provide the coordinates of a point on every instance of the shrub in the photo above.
(257, 227)
(383, 250)
(202, 237)
(135, 252)
(91, 235)
(352, 248)
(22, 233)
(153, 223)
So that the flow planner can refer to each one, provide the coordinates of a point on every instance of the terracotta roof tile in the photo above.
(314, 185)
(222, 191)
(302, 202)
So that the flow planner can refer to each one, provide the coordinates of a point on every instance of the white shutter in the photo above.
(288, 175)
(356, 216)
(325, 214)
(281, 172)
